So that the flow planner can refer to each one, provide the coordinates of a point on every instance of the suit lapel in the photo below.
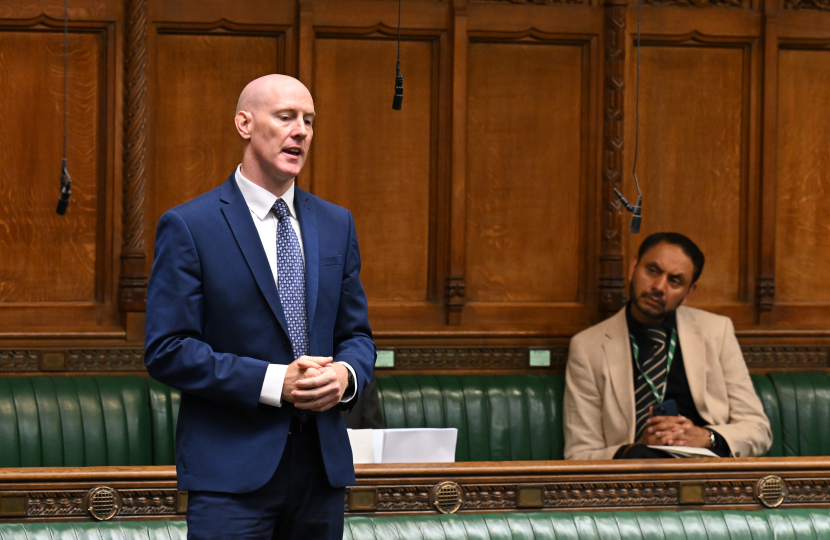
(311, 246)
(618, 359)
(238, 215)
(694, 359)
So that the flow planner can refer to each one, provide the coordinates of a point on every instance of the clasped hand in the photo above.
(673, 431)
(314, 383)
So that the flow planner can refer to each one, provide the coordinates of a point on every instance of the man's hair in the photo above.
(676, 239)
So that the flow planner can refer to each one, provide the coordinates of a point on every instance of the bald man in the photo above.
(255, 311)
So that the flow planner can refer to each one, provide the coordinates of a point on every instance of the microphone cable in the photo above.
(66, 180)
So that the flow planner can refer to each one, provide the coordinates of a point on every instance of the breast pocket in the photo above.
(333, 260)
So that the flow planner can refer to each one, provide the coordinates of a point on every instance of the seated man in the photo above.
(653, 351)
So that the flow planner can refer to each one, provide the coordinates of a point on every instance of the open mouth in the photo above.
(293, 151)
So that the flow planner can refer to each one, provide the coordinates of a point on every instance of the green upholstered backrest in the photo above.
(102, 530)
(769, 399)
(779, 524)
(83, 421)
(804, 405)
(499, 417)
(497, 414)
(130, 420)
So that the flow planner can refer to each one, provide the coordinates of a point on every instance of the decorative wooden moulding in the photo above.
(394, 489)
(428, 359)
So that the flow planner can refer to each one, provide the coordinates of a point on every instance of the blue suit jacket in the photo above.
(215, 322)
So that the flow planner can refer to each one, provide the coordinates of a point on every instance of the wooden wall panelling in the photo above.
(199, 69)
(57, 270)
(532, 104)
(802, 251)
(383, 164)
(697, 158)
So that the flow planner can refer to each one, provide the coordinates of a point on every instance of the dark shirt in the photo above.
(678, 384)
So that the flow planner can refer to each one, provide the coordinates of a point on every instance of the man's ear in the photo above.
(243, 121)
(631, 268)
(692, 289)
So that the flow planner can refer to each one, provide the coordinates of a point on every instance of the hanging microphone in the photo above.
(636, 210)
(397, 101)
(66, 190)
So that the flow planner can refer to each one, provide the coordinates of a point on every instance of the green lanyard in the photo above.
(635, 350)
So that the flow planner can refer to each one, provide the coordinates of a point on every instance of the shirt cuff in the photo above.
(347, 399)
(271, 393)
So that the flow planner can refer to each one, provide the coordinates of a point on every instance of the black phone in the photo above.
(667, 408)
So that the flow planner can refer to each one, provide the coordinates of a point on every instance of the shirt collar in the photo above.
(259, 199)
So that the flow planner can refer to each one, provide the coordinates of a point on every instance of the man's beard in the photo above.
(665, 312)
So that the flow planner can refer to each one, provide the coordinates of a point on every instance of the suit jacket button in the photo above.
(287, 346)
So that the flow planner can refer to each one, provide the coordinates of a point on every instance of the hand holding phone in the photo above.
(667, 408)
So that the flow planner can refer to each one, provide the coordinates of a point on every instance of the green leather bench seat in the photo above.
(102, 530)
(499, 417)
(778, 524)
(128, 420)
(86, 421)
(519, 417)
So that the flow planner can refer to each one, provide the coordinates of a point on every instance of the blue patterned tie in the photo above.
(291, 280)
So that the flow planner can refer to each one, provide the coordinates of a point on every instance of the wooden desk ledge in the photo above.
(42, 494)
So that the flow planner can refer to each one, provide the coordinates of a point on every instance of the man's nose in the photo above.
(300, 130)
(660, 285)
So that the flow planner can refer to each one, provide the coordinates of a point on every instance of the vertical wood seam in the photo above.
(456, 286)
(766, 265)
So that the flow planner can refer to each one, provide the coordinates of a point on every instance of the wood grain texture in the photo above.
(690, 157)
(46, 257)
(200, 77)
(524, 172)
(802, 243)
(375, 161)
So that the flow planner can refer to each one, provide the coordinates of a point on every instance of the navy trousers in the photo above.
(296, 503)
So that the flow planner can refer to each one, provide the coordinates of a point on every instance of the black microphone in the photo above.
(637, 210)
(66, 190)
(397, 101)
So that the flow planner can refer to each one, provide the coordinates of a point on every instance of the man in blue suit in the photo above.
(255, 311)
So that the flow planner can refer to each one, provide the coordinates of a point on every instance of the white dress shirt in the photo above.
(260, 201)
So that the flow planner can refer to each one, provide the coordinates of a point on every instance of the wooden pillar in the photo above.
(612, 267)
(132, 281)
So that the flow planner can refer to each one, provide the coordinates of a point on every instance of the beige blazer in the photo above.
(599, 386)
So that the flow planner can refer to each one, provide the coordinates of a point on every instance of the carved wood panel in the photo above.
(196, 143)
(51, 259)
(692, 164)
(523, 240)
(376, 161)
(802, 245)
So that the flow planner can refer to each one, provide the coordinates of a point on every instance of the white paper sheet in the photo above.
(362, 445)
(418, 445)
(685, 451)
(412, 445)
